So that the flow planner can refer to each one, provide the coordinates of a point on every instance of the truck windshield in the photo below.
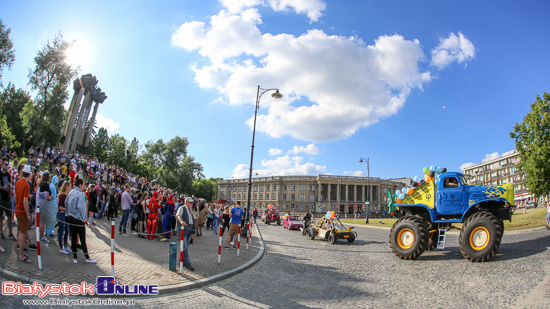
(462, 180)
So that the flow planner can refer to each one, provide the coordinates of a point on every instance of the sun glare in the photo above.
(78, 55)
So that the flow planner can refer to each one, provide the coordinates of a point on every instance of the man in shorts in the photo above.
(236, 217)
(5, 198)
(22, 189)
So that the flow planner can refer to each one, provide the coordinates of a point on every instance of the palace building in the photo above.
(321, 193)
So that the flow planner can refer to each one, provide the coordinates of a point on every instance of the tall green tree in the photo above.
(117, 153)
(100, 145)
(207, 189)
(533, 144)
(7, 53)
(12, 103)
(50, 79)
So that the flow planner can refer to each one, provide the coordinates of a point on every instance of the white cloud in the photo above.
(355, 173)
(310, 149)
(509, 152)
(280, 166)
(107, 123)
(490, 156)
(451, 49)
(312, 8)
(466, 165)
(275, 151)
(332, 85)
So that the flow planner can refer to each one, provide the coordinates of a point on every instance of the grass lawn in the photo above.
(534, 217)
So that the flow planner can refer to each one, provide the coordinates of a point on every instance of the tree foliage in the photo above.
(533, 144)
(12, 103)
(166, 164)
(207, 189)
(50, 78)
(7, 53)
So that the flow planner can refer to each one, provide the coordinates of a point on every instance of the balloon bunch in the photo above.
(330, 215)
(429, 173)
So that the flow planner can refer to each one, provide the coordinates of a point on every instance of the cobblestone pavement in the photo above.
(137, 261)
(296, 272)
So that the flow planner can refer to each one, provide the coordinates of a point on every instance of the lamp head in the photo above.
(361, 160)
(277, 95)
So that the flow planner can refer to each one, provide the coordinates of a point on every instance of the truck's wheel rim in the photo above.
(479, 238)
(405, 238)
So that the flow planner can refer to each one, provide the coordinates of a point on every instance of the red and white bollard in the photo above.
(113, 248)
(239, 241)
(181, 249)
(37, 237)
(220, 246)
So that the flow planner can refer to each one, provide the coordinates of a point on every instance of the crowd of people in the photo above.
(72, 190)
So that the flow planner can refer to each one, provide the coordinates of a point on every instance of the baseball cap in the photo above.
(189, 199)
(27, 169)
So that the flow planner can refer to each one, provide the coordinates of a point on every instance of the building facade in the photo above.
(498, 172)
(321, 193)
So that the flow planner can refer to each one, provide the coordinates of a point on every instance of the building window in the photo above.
(256, 188)
(238, 195)
(267, 187)
(274, 187)
(312, 187)
(292, 187)
(274, 197)
(312, 197)
(284, 197)
(255, 196)
(284, 187)
(292, 197)
(284, 206)
(261, 187)
(261, 196)
(301, 206)
(302, 197)
(292, 206)
(302, 187)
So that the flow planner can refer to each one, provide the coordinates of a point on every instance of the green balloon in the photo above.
(426, 170)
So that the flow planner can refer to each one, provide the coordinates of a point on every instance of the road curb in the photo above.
(167, 289)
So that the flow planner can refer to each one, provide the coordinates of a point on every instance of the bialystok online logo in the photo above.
(104, 286)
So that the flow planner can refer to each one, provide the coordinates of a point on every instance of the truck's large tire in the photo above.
(480, 236)
(409, 237)
(433, 240)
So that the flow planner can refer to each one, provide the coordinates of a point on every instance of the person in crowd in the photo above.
(255, 214)
(225, 218)
(126, 203)
(22, 190)
(103, 200)
(5, 199)
(168, 212)
(112, 205)
(76, 215)
(44, 196)
(209, 217)
(203, 212)
(216, 221)
(63, 229)
(92, 205)
(185, 218)
(236, 215)
(142, 205)
(14, 176)
(153, 218)
(53, 203)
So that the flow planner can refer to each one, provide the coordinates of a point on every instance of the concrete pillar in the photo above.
(70, 124)
(90, 126)
(83, 116)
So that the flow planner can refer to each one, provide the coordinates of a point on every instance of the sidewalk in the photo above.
(137, 260)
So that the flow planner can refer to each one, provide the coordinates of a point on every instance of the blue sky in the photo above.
(406, 84)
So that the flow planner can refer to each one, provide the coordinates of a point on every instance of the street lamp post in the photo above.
(361, 160)
(259, 94)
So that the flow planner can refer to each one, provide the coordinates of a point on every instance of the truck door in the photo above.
(449, 196)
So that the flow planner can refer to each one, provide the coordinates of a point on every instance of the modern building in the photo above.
(498, 172)
(321, 193)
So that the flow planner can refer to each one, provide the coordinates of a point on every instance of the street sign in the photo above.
(366, 203)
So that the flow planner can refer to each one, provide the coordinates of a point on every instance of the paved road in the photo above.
(297, 272)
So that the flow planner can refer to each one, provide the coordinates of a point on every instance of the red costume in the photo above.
(153, 218)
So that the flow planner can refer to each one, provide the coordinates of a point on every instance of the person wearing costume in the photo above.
(153, 218)
(168, 211)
